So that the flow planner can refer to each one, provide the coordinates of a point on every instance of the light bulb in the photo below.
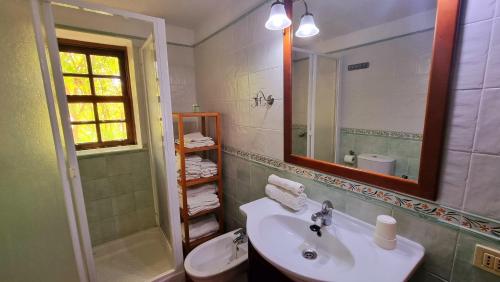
(278, 19)
(307, 27)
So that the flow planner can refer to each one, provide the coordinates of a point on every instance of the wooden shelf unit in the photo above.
(187, 184)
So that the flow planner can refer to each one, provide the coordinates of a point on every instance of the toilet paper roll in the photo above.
(349, 159)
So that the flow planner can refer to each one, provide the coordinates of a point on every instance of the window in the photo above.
(97, 87)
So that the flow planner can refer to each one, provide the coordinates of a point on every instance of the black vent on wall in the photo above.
(359, 66)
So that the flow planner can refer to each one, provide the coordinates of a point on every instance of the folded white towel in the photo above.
(201, 227)
(203, 189)
(196, 210)
(195, 136)
(295, 202)
(287, 184)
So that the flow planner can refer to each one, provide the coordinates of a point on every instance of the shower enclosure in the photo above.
(122, 200)
(316, 85)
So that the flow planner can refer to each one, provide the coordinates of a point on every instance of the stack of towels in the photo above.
(196, 140)
(196, 167)
(201, 227)
(288, 193)
(208, 168)
(201, 198)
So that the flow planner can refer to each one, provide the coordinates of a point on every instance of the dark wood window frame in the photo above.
(89, 48)
(445, 35)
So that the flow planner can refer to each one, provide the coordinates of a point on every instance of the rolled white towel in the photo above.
(287, 184)
(295, 202)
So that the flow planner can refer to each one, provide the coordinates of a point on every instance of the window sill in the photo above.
(107, 151)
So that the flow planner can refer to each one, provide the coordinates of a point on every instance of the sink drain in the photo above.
(309, 254)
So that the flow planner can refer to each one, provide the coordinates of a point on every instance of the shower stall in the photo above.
(121, 200)
(316, 84)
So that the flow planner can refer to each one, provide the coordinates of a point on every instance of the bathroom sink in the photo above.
(344, 252)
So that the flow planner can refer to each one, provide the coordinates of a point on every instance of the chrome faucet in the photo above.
(241, 237)
(322, 218)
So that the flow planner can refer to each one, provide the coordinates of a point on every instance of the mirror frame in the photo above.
(445, 35)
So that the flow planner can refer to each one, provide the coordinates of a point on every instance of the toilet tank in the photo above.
(376, 163)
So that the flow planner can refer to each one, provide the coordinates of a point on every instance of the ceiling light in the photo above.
(278, 20)
(307, 27)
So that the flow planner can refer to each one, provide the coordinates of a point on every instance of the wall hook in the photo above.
(260, 98)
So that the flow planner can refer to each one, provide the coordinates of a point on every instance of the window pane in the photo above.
(116, 131)
(81, 111)
(77, 85)
(108, 86)
(111, 111)
(73, 63)
(84, 133)
(105, 65)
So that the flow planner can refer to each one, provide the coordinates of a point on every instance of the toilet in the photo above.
(377, 163)
(217, 260)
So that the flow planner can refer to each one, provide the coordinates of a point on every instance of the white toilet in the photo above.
(217, 260)
(377, 163)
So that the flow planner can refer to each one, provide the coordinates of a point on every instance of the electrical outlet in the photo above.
(496, 264)
(487, 259)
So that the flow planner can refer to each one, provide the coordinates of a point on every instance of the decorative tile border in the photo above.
(432, 210)
(383, 133)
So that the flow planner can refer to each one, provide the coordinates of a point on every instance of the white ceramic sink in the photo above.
(345, 251)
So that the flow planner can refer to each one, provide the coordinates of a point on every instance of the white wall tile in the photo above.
(270, 81)
(453, 178)
(487, 135)
(482, 192)
(472, 53)
(477, 10)
(268, 117)
(242, 88)
(265, 54)
(268, 142)
(462, 122)
(493, 66)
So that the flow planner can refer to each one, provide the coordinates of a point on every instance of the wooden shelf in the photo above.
(205, 120)
(202, 213)
(200, 114)
(197, 149)
(199, 181)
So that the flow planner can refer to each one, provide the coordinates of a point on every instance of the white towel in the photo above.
(210, 188)
(196, 210)
(201, 227)
(295, 202)
(289, 185)
(195, 136)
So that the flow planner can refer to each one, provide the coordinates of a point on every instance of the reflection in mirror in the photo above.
(360, 86)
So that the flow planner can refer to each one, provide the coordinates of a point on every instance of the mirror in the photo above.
(361, 95)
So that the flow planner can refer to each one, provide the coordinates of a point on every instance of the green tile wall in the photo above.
(449, 251)
(405, 151)
(118, 194)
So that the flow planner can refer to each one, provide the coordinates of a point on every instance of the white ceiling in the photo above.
(184, 13)
(339, 17)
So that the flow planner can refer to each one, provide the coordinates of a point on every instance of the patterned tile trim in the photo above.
(384, 133)
(431, 210)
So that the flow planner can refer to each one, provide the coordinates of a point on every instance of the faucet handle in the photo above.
(327, 207)
(240, 232)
